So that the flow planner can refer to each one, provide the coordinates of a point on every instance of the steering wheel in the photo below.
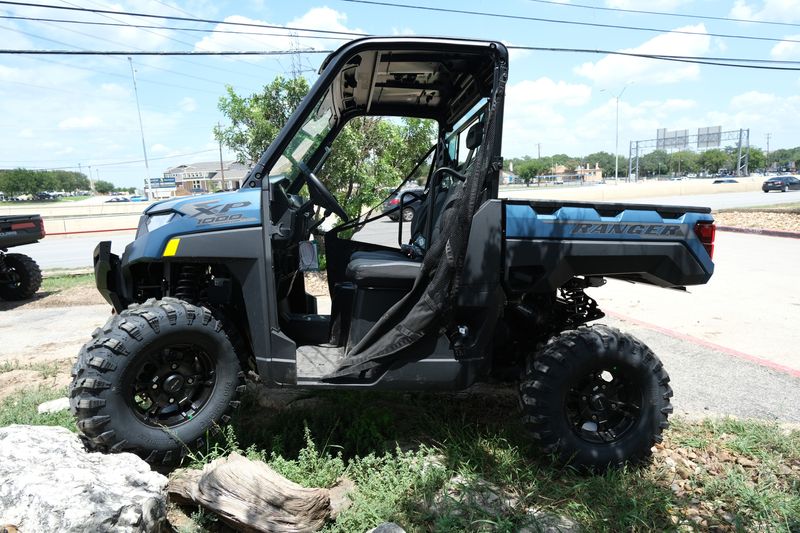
(321, 196)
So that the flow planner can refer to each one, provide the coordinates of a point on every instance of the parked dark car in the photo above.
(411, 203)
(781, 183)
(117, 199)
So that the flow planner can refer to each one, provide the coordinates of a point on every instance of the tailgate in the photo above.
(19, 230)
(548, 243)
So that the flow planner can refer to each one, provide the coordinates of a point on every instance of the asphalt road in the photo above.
(727, 200)
(74, 251)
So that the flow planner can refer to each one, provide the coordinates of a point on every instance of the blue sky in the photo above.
(58, 111)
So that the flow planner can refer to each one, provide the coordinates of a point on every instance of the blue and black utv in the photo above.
(212, 288)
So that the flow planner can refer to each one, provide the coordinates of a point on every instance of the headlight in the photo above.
(156, 221)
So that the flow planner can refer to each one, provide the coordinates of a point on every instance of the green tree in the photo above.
(103, 187)
(530, 169)
(713, 160)
(257, 119)
(757, 159)
(655, 163)
(368, 155)
(684, 161)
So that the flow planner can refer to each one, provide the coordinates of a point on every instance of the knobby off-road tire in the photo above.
(28, 277)
(596, 397)
(154, 380)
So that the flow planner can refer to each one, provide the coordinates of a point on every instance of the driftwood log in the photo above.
(250, 496)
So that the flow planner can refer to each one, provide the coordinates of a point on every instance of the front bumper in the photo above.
(108, 275)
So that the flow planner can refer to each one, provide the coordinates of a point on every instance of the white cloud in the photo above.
(612, 69)
(187, 104)
(318, 18)
(777, 10)
(403, 31)
(80, 123)
(546, 91)
(787, 49)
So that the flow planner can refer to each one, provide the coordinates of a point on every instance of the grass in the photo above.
(20, 408)
(46, 369)
(793, 207)
(451, 463)
(68, 281)
(46, 203)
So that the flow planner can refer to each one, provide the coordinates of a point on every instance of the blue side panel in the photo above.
(585, 223)
(196, 214)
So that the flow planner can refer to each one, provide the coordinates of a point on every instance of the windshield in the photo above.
(307, 139)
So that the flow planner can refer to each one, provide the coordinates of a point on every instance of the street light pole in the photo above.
(616, 141)
(141, 129)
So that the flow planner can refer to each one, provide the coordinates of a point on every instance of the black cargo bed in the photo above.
(20, 229)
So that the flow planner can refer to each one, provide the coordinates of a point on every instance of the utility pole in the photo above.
(616, 140)
(538, 150)
(767, 158)
(141, 129)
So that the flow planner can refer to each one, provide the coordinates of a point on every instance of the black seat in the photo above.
(394, 268)
(391, 273)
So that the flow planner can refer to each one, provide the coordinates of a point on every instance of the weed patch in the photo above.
(20, 408)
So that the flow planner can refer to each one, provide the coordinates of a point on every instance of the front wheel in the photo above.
(154, 380)
(20, 277)
(596, 397)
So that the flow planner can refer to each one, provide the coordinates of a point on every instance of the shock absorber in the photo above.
(187, 287)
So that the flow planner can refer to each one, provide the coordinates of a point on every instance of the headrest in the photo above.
(475, 135)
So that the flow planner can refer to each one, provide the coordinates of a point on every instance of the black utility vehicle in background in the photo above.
(20, 276)
(486, 289)
(781, 183)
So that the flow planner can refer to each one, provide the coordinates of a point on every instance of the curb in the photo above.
(760, 361)
(757, 231)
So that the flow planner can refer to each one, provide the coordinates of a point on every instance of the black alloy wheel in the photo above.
(596, 398)
(156, 380)
(603, 405)
(171, 385)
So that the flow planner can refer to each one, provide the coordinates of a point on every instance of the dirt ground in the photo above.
(771, 220)
(81, 295)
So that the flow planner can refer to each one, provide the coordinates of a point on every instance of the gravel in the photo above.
(768, 220)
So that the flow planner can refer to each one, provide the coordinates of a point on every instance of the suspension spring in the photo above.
(188, 285)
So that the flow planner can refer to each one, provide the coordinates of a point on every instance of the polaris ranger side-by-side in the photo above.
(213, 287)
(20, 276)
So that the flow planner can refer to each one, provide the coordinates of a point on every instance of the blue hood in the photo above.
(195, 214)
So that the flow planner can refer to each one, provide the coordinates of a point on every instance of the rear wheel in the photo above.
(154, 380)
(785, 188)
(596, 397)
(20, 277)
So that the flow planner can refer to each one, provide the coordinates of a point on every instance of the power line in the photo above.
(568, 22)
(720, 62)
(665, 14)
(156, 27)
(185, 19)
(7, 51)
(716, 61)
(241, 60)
